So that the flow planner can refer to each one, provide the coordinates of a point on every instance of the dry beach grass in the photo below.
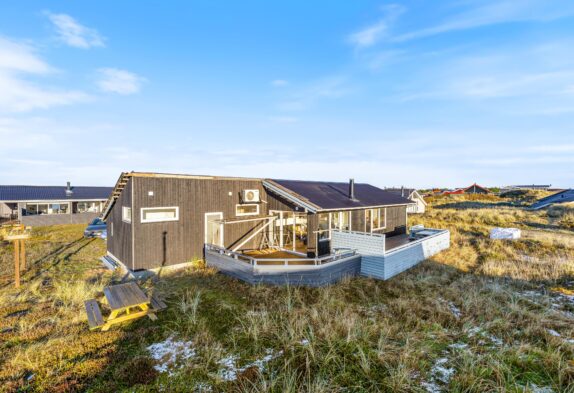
(482, 316)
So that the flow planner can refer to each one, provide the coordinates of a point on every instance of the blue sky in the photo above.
(415, 93)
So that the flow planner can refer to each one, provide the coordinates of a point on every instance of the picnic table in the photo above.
(126, 301)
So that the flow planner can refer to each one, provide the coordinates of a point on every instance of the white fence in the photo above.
(377, 263)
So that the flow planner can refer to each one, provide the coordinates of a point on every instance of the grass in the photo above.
(482, 316)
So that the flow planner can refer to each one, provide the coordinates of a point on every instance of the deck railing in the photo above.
(262, 261)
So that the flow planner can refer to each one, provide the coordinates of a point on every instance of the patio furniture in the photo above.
(126, 301)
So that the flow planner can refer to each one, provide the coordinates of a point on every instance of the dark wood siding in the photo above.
(120, 239)
(168, 243)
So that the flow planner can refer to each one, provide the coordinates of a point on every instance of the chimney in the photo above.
(69, 191)
(352, 189)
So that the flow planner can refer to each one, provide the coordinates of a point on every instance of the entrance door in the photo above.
(214, 229)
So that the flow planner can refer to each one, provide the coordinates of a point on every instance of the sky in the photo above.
(414, 93)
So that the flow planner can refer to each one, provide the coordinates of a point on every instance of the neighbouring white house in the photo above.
(413, 195)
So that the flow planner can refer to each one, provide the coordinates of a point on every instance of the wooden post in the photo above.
(23, 254)
(17, 263)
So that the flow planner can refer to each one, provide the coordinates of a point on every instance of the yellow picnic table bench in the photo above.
(126, 301)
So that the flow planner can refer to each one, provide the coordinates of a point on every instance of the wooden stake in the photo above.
(17, 263)
(23, 254)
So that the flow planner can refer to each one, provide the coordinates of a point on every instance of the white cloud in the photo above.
(17, 94)
(370, 35)
(73, 33)
(20, 57)
(495, 12)
(533, 81)
(113, 80)
(279, 83)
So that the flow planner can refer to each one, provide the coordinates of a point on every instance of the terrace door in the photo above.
(214, 229)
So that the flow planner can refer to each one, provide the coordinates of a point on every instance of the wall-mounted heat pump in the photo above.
(250, 196)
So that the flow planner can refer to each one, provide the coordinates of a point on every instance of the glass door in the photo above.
(214, 229)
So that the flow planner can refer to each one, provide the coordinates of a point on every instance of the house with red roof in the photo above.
(473, 189)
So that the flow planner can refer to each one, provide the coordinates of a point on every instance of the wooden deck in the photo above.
(272, 254)
(276, 254)
(396, 241)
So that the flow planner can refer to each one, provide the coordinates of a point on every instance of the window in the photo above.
(341, 221)
(323, 226)
(47, 208)
(58, 208)
(126, 214)
(31, 209)
(88, 207)
(159, 214)
(375, 219)
(246, 210)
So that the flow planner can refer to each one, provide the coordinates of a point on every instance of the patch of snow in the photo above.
(230, 370)
(201, 387)
(170, 354)
(495, 340)
(540, 389)
(478, 331)
(304, 342)
(431, 387)
(455, 310)
(440, 373)
(553, 332)
(458, 346)
(570, 340)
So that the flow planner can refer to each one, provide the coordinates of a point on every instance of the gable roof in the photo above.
(406, 193)
(477, 186)
(318, 195)
(52, 193)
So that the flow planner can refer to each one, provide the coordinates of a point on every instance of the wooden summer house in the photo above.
(156, 220)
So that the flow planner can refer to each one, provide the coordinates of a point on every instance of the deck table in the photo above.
(127, 301)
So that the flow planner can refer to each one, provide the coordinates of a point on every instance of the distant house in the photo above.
(51, 205)
(473, 189)
(543, 187)
(564, 196)
(414, 196)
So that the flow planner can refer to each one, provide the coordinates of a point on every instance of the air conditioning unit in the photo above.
(250, 196)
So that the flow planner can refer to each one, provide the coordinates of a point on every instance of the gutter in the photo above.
(279, 191)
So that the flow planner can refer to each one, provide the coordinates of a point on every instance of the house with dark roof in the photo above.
(51, 205)
(262, 230)
(564, 196)
(419, 204)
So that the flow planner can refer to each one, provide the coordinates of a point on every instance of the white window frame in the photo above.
(378, 212)
(246, 214)
(328, 230)
(125, 217)
(339, 220)
(144, 209)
